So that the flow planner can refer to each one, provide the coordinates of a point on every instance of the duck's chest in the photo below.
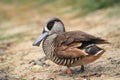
(48, 45)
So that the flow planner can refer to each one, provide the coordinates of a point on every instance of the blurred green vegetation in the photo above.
(87, 6)
(22, 79)
(84, 6)
(39, 2)
(2, 19)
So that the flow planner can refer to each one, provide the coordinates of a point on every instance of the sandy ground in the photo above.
(16, 50)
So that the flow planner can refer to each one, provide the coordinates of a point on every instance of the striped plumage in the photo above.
(73, 48)
(48, 47)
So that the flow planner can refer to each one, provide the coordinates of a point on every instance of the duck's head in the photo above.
(52, 26)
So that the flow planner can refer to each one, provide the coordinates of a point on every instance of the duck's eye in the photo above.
(50, 25)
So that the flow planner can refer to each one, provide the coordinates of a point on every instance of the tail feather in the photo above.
(92, 49)
(100, 41)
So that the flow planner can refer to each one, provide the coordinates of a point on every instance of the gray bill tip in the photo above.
(34, 44)
(39, 39)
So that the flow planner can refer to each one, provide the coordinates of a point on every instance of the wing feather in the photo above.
(67, 43)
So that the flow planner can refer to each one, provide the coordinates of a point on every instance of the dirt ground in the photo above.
(16, 50)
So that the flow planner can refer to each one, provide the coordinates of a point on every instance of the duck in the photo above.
(71, 48)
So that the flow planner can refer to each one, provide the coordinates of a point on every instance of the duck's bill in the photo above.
(40, 38)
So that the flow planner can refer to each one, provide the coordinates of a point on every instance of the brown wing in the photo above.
(67, 43)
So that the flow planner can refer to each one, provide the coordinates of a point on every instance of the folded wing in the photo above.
(70, 44)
